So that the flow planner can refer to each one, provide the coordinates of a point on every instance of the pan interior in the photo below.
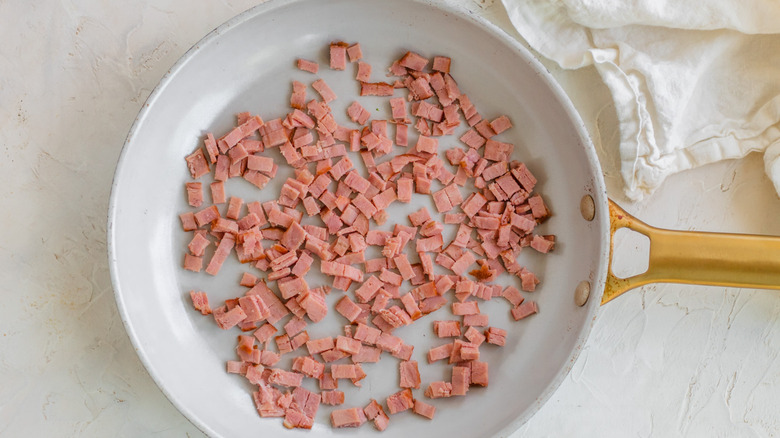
(247, 65)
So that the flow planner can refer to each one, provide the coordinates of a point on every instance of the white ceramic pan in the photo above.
(247, 65)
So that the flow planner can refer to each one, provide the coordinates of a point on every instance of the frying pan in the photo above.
(246, 65)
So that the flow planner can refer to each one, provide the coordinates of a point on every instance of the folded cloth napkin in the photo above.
(693, 82)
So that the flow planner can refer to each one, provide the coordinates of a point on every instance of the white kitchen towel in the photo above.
(693, 82)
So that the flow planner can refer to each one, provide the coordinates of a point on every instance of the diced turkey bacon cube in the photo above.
(338, 56)
(528, 308)
(439, 389)
(309, 66)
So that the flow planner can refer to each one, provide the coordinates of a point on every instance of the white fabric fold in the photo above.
(693, 82)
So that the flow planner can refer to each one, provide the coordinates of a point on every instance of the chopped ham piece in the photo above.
(528, 308)
(376, 89)
(309, 66)
(346, 417)
(358, 114)
(410, 376)
(479, 373)
(467, 308)
(220, 255)
(474, 336)
(197, 245)
(194, 193)
(343, 371)
(363, 72)
(528, 281)
(338, 56)
(400, 401)
(354, 52)
(461, 379)
(427, 144)
(347, 345)
(500, 124)
(439, 390)
(478, 320)
(188, 222)
(348, 309)
(413, 61)
(366, 334)
(227, 320)
(424, 409)
(321, 87)
(367, 354)
(445, 329)
(513, 296)
(441, 63)
(196, 162)
(200, 301)
(438, 353)
(333, 398)
(495, 336)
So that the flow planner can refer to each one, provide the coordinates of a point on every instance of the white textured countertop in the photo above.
(663, 360)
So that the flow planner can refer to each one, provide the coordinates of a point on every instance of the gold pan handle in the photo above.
(693, 257)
